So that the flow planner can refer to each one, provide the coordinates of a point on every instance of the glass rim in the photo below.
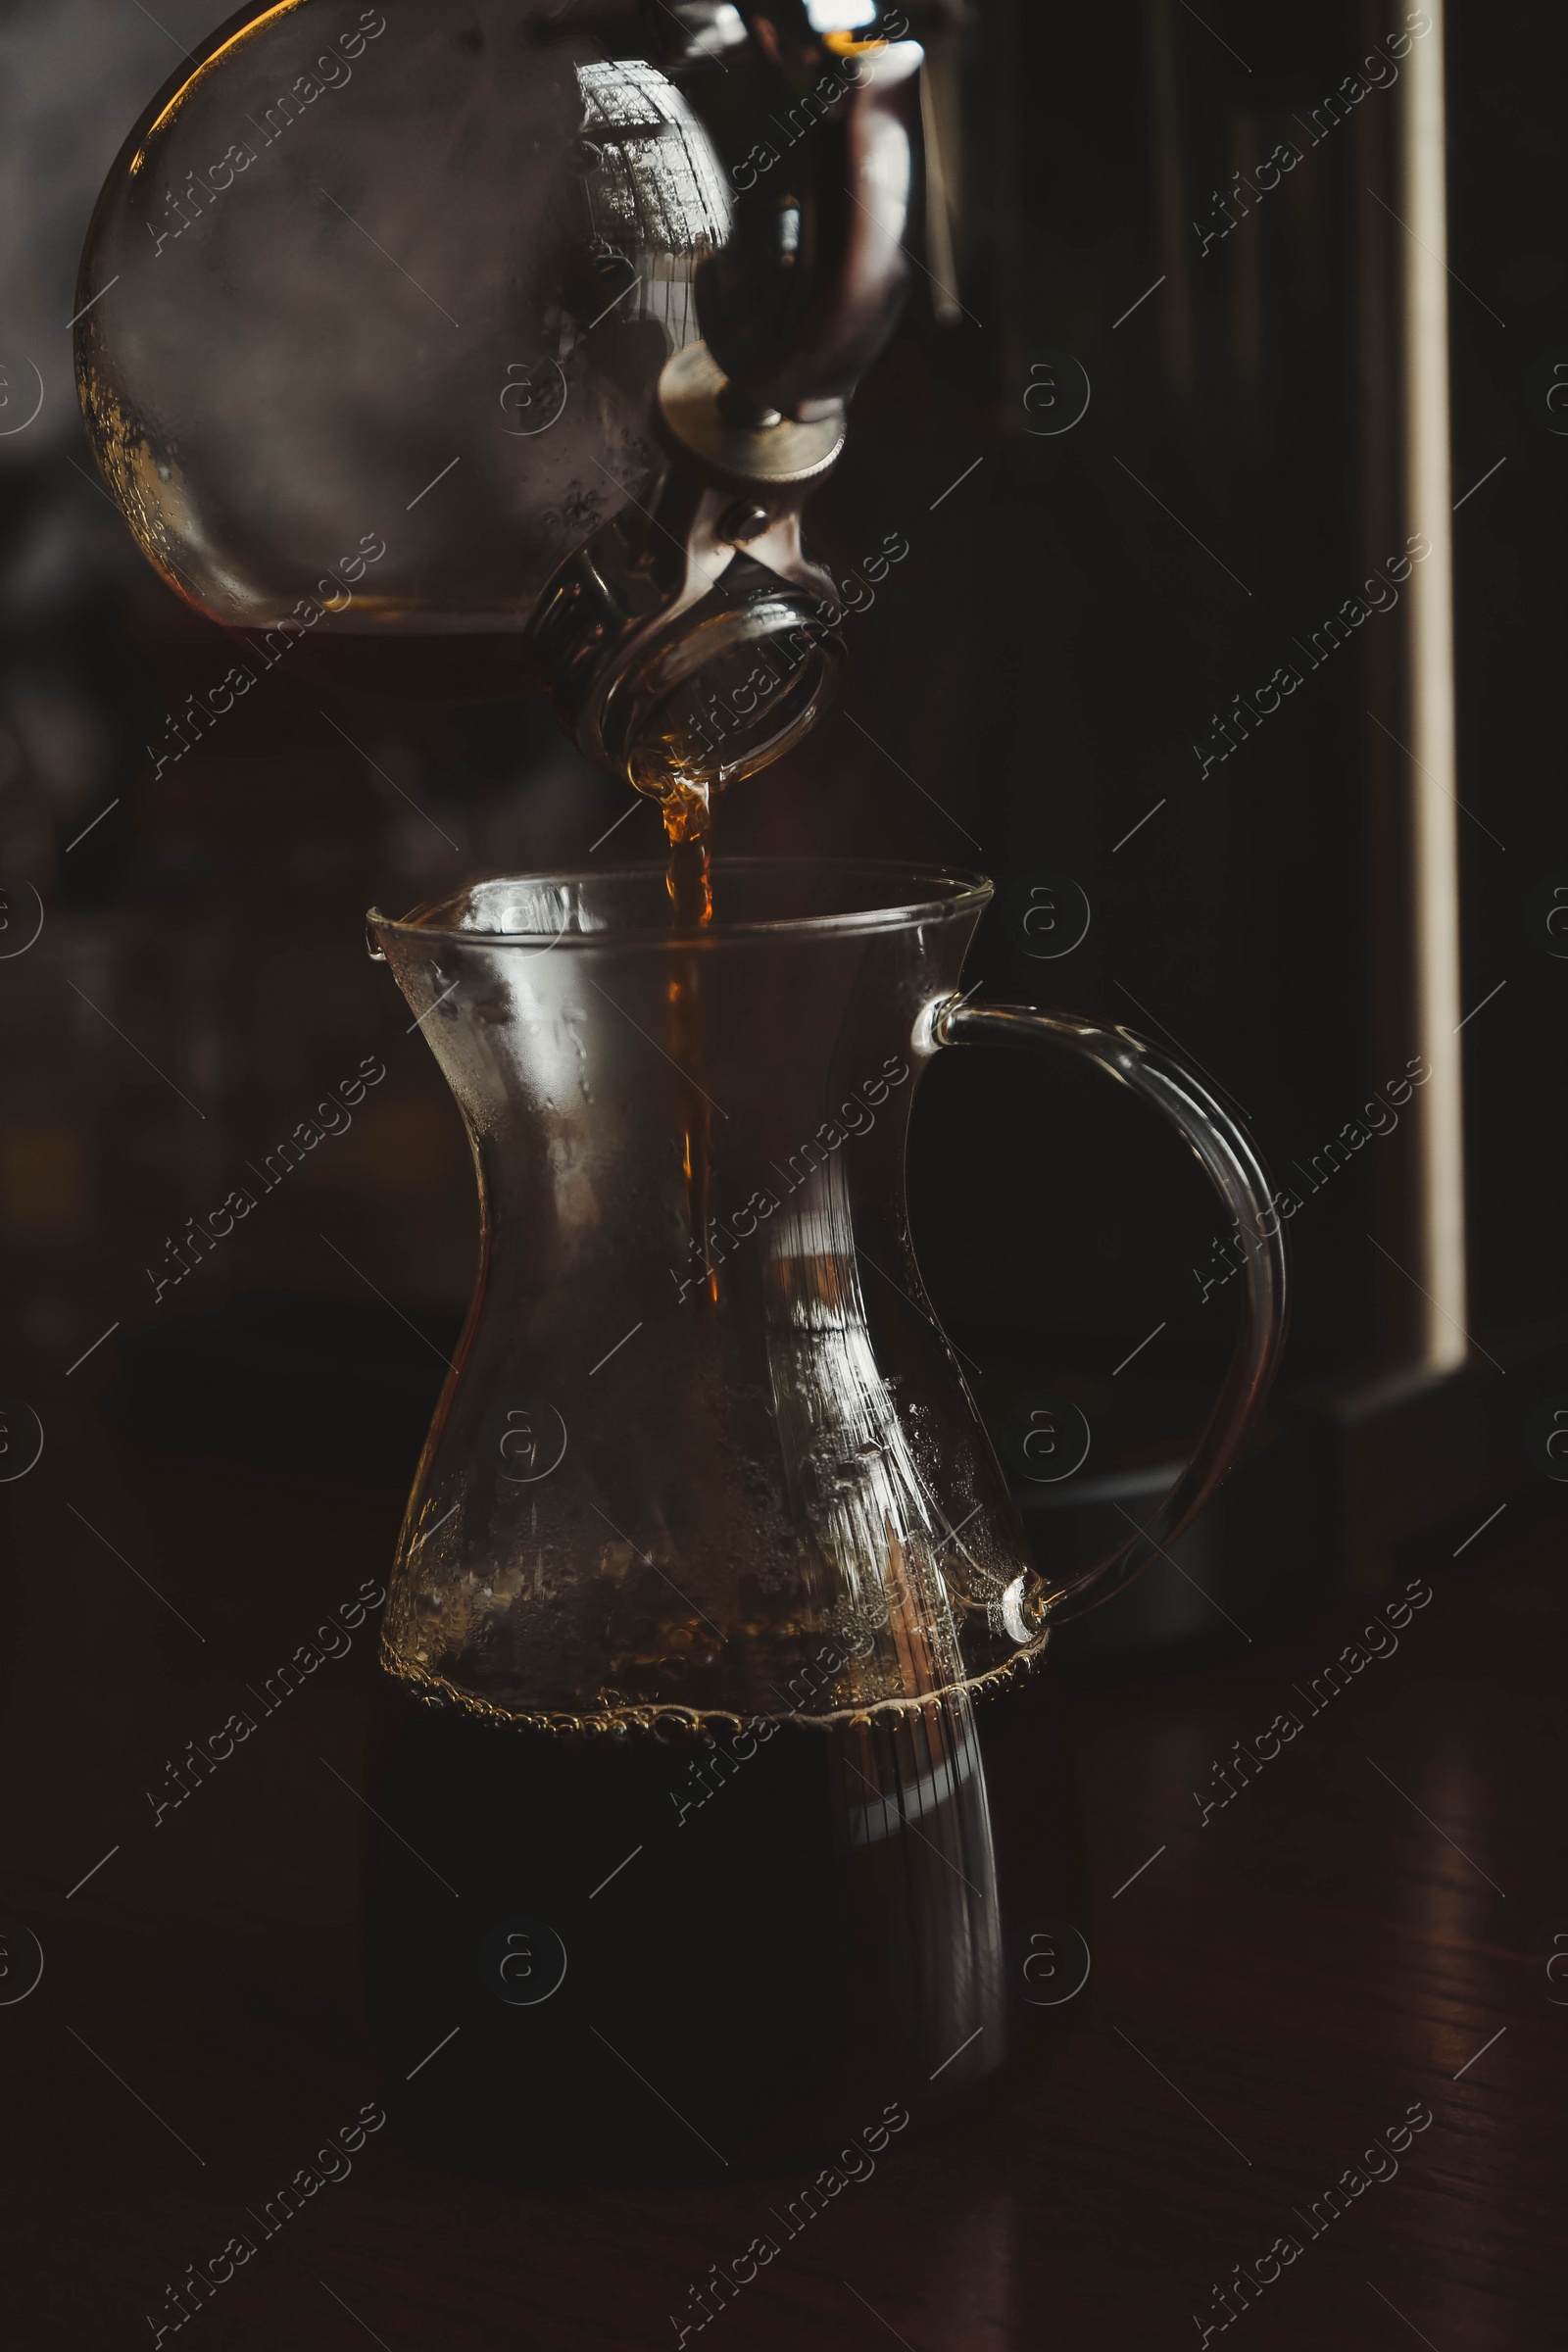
(923, 894)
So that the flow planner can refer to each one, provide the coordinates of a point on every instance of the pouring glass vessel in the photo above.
(460, 347)
(708, 1568)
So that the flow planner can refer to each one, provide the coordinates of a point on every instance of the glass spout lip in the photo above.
(577, 908)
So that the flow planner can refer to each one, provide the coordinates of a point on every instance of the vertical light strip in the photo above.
(1433, 779)
(938, 124)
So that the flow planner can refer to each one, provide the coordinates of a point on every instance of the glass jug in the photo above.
(710, 1589)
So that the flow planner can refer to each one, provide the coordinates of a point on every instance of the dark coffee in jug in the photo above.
(690, 1951)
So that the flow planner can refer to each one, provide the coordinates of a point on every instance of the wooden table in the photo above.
(1272, 1990)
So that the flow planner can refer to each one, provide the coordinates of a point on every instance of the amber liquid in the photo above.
(688, 804)
(689, 809)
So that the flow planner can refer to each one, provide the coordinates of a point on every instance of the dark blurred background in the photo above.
(1087, 588)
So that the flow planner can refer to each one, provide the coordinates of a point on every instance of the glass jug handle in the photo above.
(1165, 1081)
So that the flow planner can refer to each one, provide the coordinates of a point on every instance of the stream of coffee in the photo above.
(687, 803)
(689, 806)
